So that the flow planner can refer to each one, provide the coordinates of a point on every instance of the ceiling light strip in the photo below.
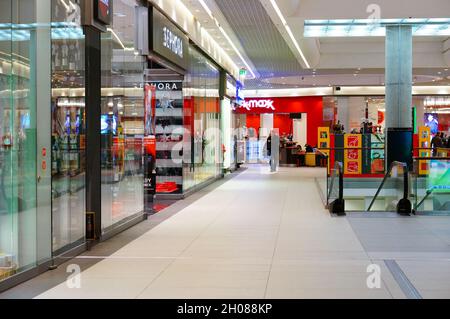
(222, 30)
(289, 31)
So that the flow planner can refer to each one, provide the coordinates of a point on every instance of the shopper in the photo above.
(436, 143)
(269, 149)
(309, 148)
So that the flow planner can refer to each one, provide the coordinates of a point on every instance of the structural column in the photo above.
(399, 138)
(398, 76)
(93, 113)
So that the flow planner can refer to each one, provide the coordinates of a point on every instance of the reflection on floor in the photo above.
(264, 235)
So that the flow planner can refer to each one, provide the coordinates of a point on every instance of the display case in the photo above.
(169, 137)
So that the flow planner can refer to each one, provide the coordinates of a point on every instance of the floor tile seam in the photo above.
(172, 211)
(370, 259)
(429, 228)
(200, 196)
(402, 280)
(181, 253)
(276, 242)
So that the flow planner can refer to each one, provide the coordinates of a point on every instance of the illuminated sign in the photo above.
(103, 11)
(167, 40)
(259, 104)
(172, 42)
(167, 86)
(239, 93)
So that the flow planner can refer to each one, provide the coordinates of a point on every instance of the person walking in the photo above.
(436, 143)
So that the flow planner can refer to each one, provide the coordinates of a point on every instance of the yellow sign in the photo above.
(352, 154)
(424, 149)
(324, 142)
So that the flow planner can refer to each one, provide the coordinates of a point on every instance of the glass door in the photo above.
(24, 80)
(68, 127)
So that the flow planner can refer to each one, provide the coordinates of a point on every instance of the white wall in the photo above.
(300, 130)
(266, 125)
(226, 131)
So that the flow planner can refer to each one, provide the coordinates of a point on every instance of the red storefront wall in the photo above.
(254, 121)
(283, 123)
(311, 105)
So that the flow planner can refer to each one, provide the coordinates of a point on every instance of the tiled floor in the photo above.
(262, 235)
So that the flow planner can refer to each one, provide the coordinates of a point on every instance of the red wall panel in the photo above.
(283, 122)
(254, 120)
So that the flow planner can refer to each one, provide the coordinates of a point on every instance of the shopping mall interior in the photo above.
(224, 149)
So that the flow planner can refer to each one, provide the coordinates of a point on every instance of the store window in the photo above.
(436, 113)
(19, 56)
(202, 142)
(68, 126)
(122, 119)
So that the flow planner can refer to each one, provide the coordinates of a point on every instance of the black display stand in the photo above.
(399, 146)
(93, 138)
(149, 184)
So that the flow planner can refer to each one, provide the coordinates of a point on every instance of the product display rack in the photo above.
(169, 137)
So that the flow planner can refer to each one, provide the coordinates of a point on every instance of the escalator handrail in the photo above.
(429, 192)
(337, 166)
(386, 176)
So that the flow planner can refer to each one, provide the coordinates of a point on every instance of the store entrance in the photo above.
(166, 126)
(294, 150)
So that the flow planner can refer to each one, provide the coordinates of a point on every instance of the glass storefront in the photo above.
(202, 141)
(43, 128)
(122, 120)
(68, 127)
(22, 45)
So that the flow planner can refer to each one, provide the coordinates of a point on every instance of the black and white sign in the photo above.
(167, 40)
(173, 42)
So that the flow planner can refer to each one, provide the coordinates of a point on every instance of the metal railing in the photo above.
(430, 190)
(404, 206)
(338, 205)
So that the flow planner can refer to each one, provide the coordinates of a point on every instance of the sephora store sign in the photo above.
(168, 41)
